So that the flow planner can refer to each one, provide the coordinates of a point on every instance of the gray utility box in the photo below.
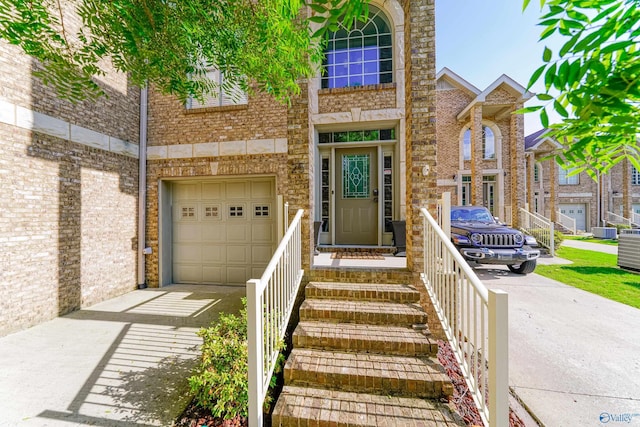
(604, 232)
(629, 249)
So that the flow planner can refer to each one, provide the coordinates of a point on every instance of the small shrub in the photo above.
(622, 227)
(220, 382)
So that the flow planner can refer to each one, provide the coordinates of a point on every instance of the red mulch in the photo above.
(195, 416)
(462, 399)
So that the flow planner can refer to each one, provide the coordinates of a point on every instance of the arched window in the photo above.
(361, 55)
(488, 144)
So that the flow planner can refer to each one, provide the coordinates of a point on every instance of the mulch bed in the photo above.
(195, 416)
(462, 399)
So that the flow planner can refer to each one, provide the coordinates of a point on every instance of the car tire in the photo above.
(524, 268)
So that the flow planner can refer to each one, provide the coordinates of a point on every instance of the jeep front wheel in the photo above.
(524, 268)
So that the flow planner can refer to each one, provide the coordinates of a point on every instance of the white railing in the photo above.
(539, 227)
(567, 222)
(508, 215)
(613, 218)
(474, 319)
(270, 301)
(635, 219)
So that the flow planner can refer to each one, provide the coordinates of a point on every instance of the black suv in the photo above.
(481, 238)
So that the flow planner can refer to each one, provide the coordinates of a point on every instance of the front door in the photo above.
(489, 193)
(357, 196)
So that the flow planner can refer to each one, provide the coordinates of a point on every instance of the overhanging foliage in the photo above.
(169, 43)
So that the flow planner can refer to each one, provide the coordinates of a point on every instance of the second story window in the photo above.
(223, 95)
(635, 176)
(488, 144)
(361, 55)
(564, 179)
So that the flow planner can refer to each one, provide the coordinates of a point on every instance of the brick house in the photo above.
(552, 189)
(356, 149)
(481, 156)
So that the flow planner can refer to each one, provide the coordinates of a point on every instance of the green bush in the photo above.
(220, 382)
(622, 227)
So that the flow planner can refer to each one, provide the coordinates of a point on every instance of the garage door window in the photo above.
(236, 211)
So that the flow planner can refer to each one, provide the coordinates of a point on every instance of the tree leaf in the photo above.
(546, 54)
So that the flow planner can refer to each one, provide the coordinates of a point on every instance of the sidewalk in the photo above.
(574, 357)
(124, 362)
(597, 247)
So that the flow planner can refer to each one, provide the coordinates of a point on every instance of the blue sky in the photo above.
(482, 39)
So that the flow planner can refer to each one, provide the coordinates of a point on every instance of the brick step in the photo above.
(302, 406)
(364, 338)
(367, 373)
(380, 313)
(363, 292)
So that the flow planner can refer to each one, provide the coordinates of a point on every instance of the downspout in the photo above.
(142, 189)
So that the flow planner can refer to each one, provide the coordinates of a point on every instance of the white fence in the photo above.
(270, 301)
(474, 319)
(635, 219)
(539, 227)
(567, 222)
(613, 219)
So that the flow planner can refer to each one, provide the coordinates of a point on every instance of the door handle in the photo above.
(375, 195)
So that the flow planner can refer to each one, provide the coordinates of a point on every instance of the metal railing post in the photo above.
(498, 358)
(255, 348)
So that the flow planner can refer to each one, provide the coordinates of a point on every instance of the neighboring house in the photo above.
(552, 189)
(69, 189)
(481, 143)
(356, 149)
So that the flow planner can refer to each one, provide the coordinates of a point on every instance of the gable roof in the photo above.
(503, 80)
(536, 139)
(456, 81)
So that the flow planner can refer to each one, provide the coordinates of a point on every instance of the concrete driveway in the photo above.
(121, 363)
(574, 356)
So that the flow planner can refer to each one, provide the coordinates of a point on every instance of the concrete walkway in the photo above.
(574, 356)
(598, 247)
(121, 363)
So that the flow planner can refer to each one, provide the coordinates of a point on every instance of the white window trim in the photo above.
(222, 97)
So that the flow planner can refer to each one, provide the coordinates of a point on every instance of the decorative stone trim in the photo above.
(25, 118)
(218, 149)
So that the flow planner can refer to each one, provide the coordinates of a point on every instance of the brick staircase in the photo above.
(361, 358)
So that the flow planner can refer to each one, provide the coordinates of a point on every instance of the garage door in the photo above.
(223, 231)
(576, 211)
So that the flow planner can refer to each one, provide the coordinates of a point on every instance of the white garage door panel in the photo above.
(186, 191)
(577, 211)
(261, 254)
(261, 190)
(238, 190)
(238, 255)
(214, 233)
(212, 274)
(187, 253)
(238, 233)
(213, 254)
(223, 230)
(213, 190)
(262, 232)
(189, 232)
(190, 273)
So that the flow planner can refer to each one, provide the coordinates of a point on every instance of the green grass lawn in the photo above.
(592, 240)
(595, 272)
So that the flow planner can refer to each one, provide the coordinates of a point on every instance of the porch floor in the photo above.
(324, 259)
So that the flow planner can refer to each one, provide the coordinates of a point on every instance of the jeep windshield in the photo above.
(470, 214)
